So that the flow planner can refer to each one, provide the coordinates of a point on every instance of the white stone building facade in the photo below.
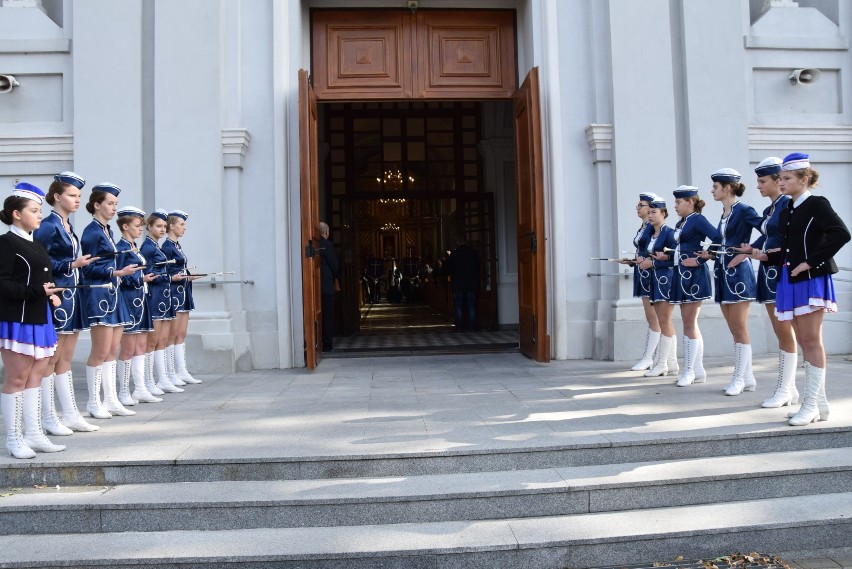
(192, 104)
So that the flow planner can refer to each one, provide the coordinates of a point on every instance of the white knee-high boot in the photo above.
(785, 390)
(12, 406)
(742, 362)
(651, 340)
(94, 406)
(140, 389)
(150, 383)
(34, 436)
(71, 417)
(672, 364)
(180, 364)
(749, 382)
(809, 411)
(111, 402)
(123, 379)
(49, 418)
(690, 353)
(160, 373)
(661, 361)
(700, 372)
(170, 367)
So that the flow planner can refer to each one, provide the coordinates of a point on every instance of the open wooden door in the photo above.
(532, 289)
(309, 188)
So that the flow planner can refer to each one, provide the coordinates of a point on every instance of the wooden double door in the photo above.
(532, 300)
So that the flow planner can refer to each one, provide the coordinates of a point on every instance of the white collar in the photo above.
(802, 198)
(20, 232)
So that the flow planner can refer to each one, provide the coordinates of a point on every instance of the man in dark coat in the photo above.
(329, 272)
(464, 270)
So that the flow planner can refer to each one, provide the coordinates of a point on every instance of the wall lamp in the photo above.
(7, 83)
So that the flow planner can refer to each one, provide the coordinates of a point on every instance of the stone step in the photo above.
(53, 469)
(578, 541)
(427, 498)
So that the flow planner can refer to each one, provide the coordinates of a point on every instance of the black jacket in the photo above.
(329, 266)
(24, 269)
(463, 269)
(811, 233)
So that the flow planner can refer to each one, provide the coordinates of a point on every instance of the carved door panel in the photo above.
(309, 189)
(433, 54)
(532, 290)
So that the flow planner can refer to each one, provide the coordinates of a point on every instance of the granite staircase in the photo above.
(551, 507)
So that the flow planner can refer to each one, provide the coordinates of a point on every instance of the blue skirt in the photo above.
(734, 284)
(160, 301)
(137, 310)
(35, 340)
(767, 283)
(691, 284)
(102, 307)
(182, 296)
(637, 287)
(646, 283)
(797, 299)
(68, 317)
(661, 291)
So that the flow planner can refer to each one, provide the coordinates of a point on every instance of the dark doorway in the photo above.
(399, 182)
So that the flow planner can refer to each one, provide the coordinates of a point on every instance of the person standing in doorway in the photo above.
(464, 270)
(329, 279)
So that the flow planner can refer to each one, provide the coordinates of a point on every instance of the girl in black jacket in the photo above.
(27, 336)
(811, 234)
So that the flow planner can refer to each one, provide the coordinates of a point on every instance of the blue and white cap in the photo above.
(108, 188)
(29, 191)
(685, 192)
(130, 210)
(768, 166)
(160, 214)
(658, 203)
(726, 175)
(796, 161)
(178, 213)
(70, 178)
(648, 196)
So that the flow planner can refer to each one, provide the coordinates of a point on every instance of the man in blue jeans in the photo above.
(464, 270)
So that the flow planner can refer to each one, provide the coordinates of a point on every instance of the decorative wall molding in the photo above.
(235, 143)
(49, 148)
(24, 46)
(834, 142)
(599, 137)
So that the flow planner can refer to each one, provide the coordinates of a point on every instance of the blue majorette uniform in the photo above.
(767, 275)
(181, 290)
(101, 305)
(133, 290)
(159, 290)
(661, 274)
(63, 246)
(736, 284)
(692, 284)
(642, 279)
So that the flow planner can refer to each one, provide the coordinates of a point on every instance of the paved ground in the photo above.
(439, 404)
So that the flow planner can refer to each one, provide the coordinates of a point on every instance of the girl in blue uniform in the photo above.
(736, 287)
(133, 293)
(57, 235)
(769, 184)
(659, 262)
(811, 235)
(159, 303)
(691, 278)
(27, 335)
(642, 282)
(107, 316)
(181, 299)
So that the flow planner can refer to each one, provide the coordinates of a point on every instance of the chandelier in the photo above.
(390, 227)
(393, 180)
